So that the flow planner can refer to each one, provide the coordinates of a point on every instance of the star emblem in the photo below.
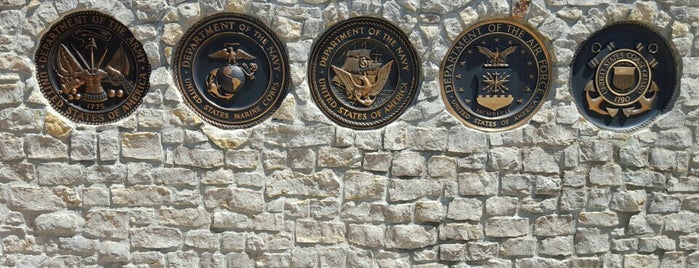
(530, 63)
(528, 89)
(531, 76)
(461, 90)
(467, 101)
(458, 76)
(469, 51)
(510, 42)
(520, 101)
(523, 52)
(497, 40)
(463, 63)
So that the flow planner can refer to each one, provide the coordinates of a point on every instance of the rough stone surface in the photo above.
(162, 188)
(410, 236)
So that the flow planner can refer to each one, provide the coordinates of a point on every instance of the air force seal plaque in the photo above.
(496, 75)
(232, 70)
(623, 76)
(91, 69)
(363, 73)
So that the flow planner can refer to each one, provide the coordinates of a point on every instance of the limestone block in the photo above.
(308, 231)
(288, 183)
(556, 246)
(186, 217)
(410, 236)
(481, 183)
(32, 198)
(378, 161)
(628, 201)
(198, 157)
(110, 251)
(406, 190)
(429, 211)
(259, 222)
(142, 146)
(107, 223)
(202, 239)
(61, 223)
(361, 185)
(518, 247)
(155, 237)
(554, 225)
(465, 209)
(45, 147)
(329, 157)
(366, 235)
(506, 227)
(407, 163)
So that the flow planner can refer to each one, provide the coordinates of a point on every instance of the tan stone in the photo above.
(226, 139)
(56, 127)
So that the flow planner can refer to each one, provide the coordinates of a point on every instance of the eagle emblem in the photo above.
(496, 58)
(362, 77)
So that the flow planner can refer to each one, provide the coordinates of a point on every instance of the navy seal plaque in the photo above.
(496, 75)
(232, 70)
(91, 68)
(363, 73)
(623, 76)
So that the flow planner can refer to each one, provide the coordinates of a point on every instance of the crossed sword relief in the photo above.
(74, 73)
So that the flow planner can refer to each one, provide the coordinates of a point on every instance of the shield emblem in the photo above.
(624, 77)
(494, 94)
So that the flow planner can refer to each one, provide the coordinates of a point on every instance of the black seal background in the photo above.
(411, 77)
(625, 34)
(474, 63)
(72, 108)
(254, 90)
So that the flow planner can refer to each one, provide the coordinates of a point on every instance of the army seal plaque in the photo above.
(623, 76)
(232, 70)
(363, 73)
(91, 69)
(496, 75)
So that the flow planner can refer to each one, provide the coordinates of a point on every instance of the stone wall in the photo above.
(163, 189)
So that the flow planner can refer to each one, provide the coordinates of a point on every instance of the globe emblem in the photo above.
(230, 78)
(225, 81)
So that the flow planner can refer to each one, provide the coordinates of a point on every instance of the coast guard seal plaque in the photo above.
(363, 73)
(91, 69)
(232, 70)
(623, 76)
(496, 75)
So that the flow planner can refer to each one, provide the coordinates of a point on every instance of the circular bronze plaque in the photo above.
(623, 76)
(91, 69)
(496, 75)
(363, 73)
(232, 70)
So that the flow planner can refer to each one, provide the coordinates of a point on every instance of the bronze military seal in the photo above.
(363, 73)
(232, 70)
(496, 75)
(624, 75)
(91, 68)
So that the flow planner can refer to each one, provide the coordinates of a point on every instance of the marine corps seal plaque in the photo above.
(363, 73)
(91, 69)
(623, 76)
(232, 70)
(496, 75)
